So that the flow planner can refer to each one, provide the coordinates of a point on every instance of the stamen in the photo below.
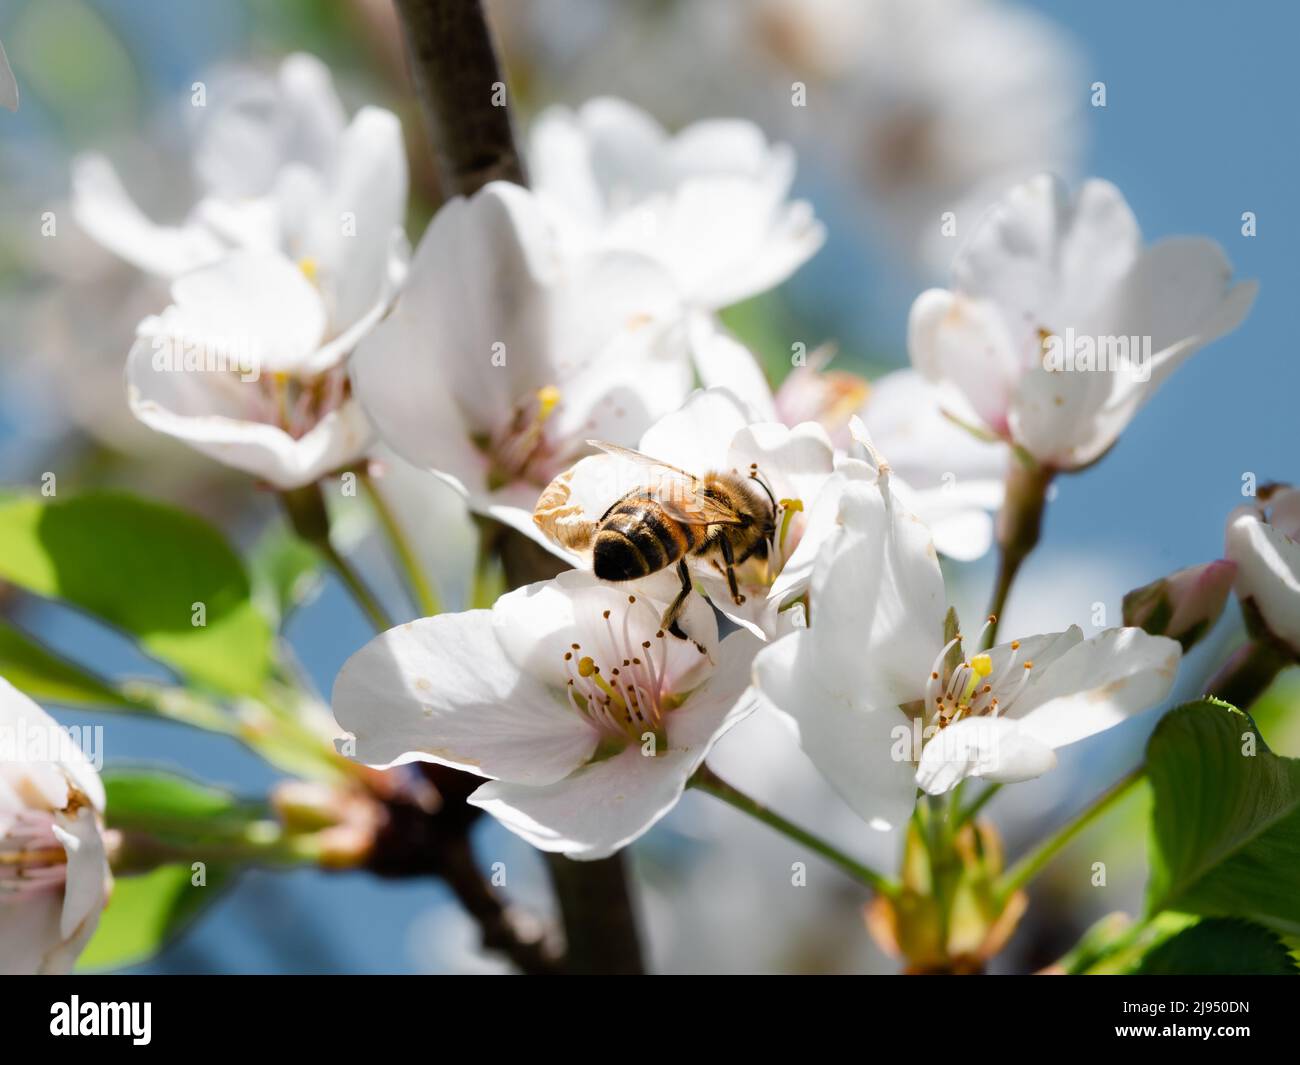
(931, 687)
(789, 507)
(1020, 687)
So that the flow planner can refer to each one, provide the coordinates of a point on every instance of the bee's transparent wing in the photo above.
(681, 494)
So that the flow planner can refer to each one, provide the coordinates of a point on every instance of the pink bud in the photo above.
(1185, 605)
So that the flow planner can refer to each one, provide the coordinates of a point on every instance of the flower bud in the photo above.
(1183, 606)
(978, 921)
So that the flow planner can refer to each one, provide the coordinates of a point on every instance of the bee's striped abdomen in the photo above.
(636, 538)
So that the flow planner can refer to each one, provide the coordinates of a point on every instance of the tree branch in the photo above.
(462, 93)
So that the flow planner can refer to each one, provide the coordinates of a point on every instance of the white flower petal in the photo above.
(962, 345)
(994, 749)
(89, 879)
(723, 361)
(260, 125)
(853, 744)
(210, 411)
(608, 804)
(1268, 572)
(261, 300)
(878, 599)
(492, 314)
(709, 204)
(443, 690)
(103, 208)
(904, 415)
(697, 437)
(351, 236)
(1097, 684)
(537, 624)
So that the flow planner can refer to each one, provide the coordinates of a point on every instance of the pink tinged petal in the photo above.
(608, 804)
(1097, 684)
(30, 934)
(103, 208)
(443, 690)
(1268, 571)
(219, 415)
(993, 749)
(865, 750)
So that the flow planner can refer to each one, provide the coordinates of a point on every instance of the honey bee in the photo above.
(725, 518)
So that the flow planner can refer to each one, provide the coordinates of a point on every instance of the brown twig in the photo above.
(463, 96)
(462, 92)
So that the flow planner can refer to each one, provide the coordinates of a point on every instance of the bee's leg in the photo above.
(674, 610)
(729, 559)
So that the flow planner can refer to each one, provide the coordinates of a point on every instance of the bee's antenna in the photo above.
(762, 483)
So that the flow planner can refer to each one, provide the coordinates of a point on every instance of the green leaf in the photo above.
(1225, 827)
(149, 798)
(46, 677)
(146, 911)
(1220, 946)
(143, 567)
(286, 572)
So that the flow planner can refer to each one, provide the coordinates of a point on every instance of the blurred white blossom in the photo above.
(242, 367)
(710, 203)
(1060, 324)
(278, 168)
